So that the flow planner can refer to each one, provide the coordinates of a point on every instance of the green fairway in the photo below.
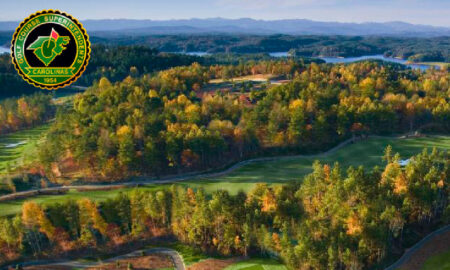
(367, 153)
(14, 207)
(438, 262)
(19, 148)
(257, 264)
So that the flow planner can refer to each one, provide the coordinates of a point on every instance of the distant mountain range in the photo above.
(252, 26)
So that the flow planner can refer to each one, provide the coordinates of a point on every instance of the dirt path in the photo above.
(174, 255)
(432, 244)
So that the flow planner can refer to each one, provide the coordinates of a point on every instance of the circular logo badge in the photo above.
(50, 49)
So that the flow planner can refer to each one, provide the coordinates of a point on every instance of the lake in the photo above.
(279, 54)
(4, 50)
(361, 58)
(326, 59)
(376, 57)
(194, 53)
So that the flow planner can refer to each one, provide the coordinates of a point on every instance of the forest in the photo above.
(112, 57)
(113, 62)
(25, 112)
(11, 84)
(225, 135)
(162, 124)
(359, 216)
(161, 117)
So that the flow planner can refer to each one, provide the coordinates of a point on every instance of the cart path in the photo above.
(163, 180)
(177, 178)
(416, 248)
(174, 255)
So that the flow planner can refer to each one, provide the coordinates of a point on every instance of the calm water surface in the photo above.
(4, 50)
(360, 58)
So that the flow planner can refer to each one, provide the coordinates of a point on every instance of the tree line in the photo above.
(165, 123)
(113, 62)
(116, 62)
(408, 48)
(334, 219)
(11, 84)
(25, 112)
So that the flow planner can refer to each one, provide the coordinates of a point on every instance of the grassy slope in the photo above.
(257, 264)
(21, 154)
(438, 262)
(190, 254)
(25, 154)
(367, 153)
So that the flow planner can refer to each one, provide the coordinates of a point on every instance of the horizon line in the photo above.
(255, 19)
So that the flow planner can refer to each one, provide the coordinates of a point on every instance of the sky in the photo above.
(431, 12)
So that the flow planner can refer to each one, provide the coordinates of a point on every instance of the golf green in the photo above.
(257, 264)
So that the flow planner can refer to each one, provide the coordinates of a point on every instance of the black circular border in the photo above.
(77, 75)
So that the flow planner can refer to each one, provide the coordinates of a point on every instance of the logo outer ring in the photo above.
(71, 80)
